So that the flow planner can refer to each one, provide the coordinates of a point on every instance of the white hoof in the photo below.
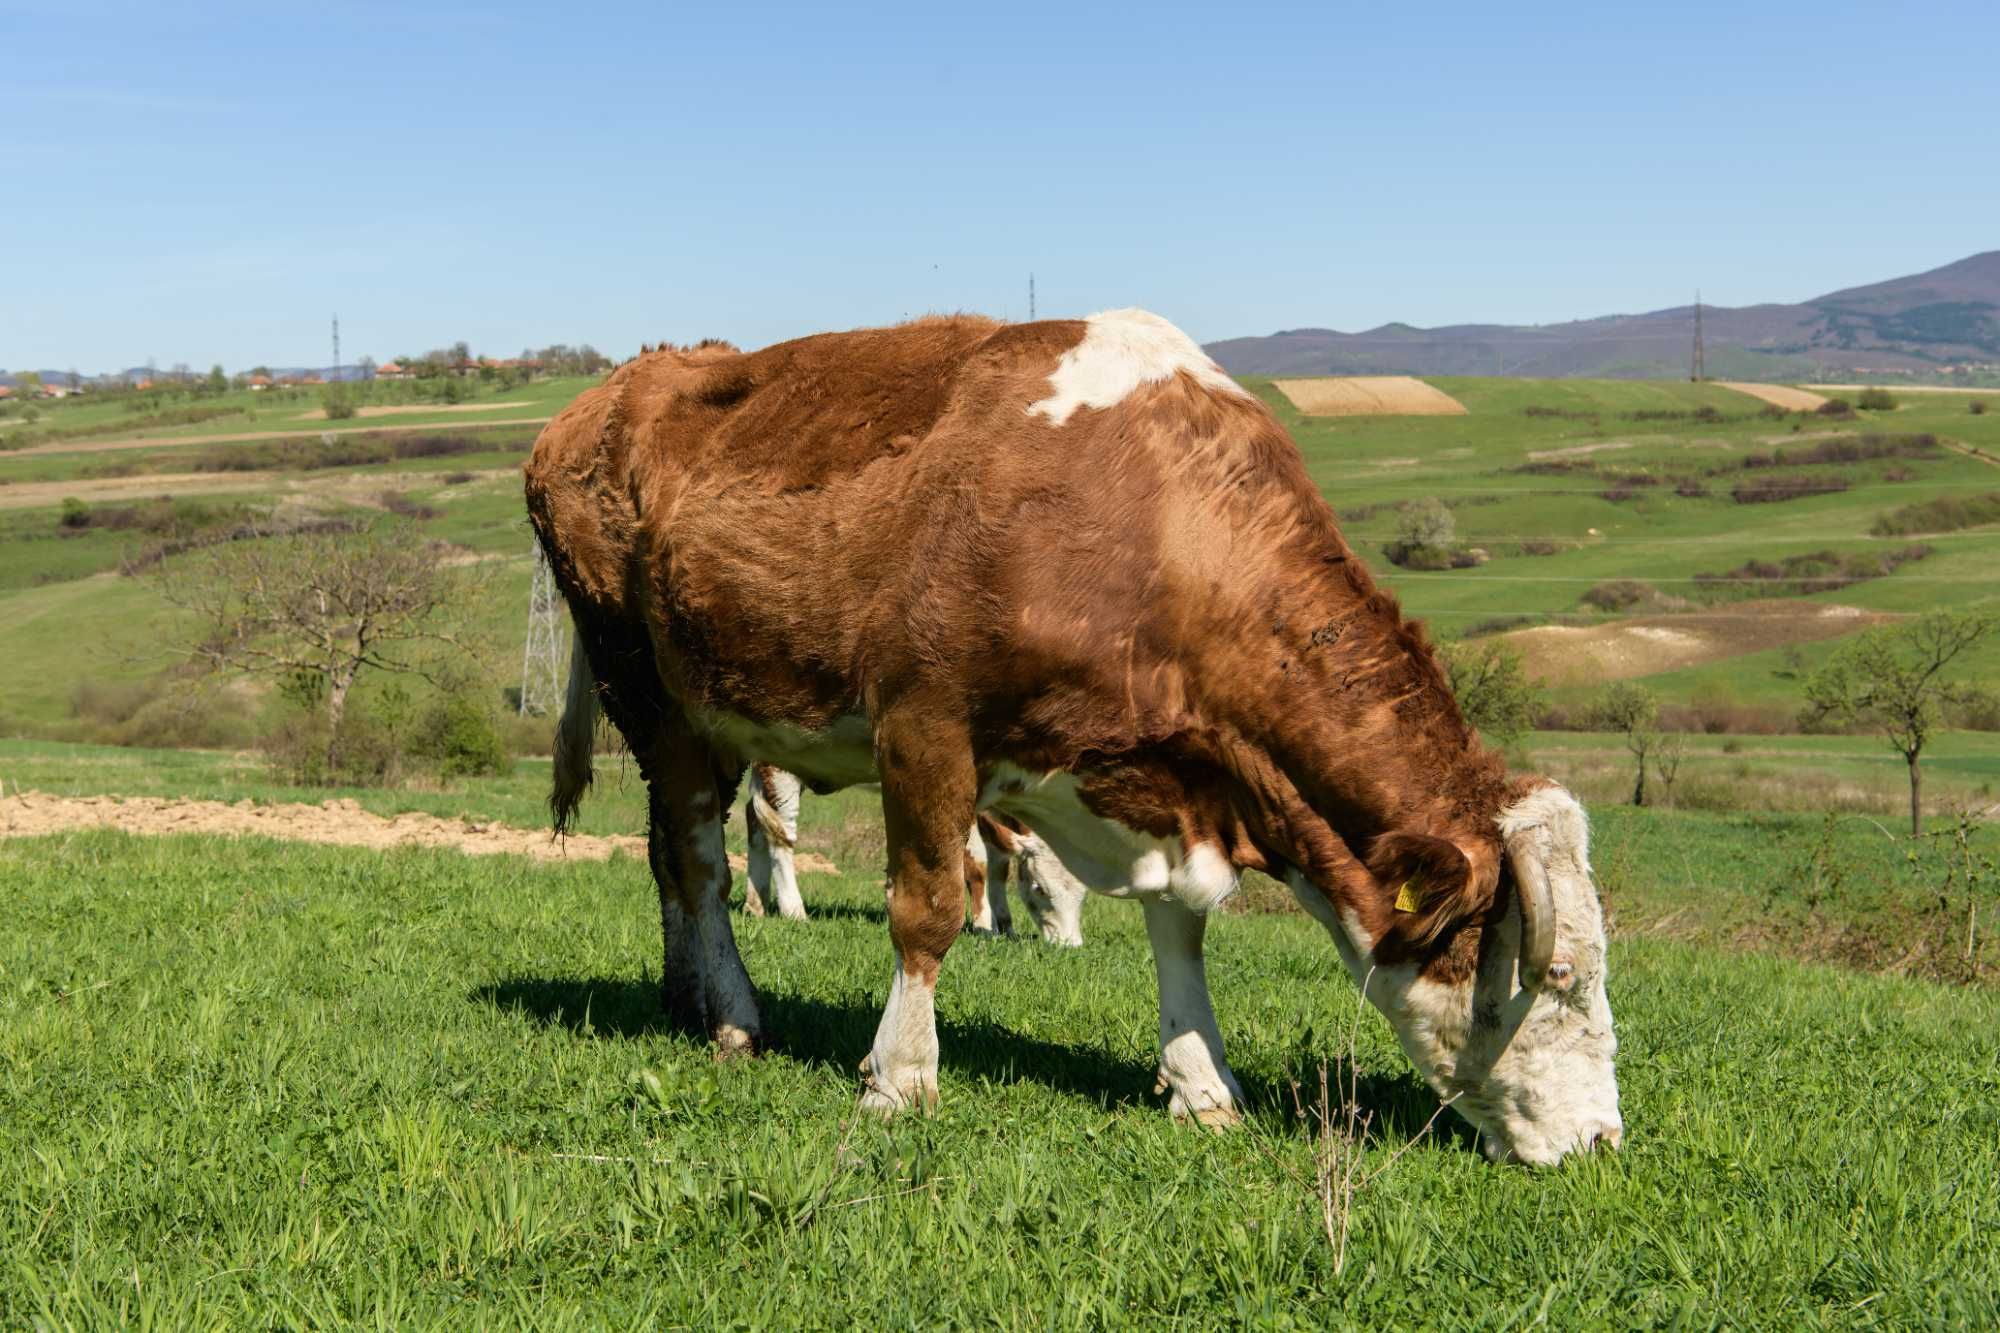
(888, 1098)
(1210, 1104)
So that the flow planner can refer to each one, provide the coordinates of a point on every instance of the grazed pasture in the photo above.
(255, 1082)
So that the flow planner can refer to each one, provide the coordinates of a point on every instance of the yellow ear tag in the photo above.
(1406, 899)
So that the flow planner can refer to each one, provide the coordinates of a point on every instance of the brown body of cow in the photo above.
(1069, 571)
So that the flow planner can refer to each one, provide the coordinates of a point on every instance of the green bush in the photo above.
(1947, 513)
(1875, 400)
(168, 711)
(1977, 407)
(459, 734)
(338, 401)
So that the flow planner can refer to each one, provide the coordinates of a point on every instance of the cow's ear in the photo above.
(1430, 881)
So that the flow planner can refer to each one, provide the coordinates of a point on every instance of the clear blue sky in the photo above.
(211, 187)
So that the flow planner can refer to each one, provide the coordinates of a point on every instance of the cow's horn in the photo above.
(1538, 915)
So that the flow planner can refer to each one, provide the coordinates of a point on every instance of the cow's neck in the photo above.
(1355, 712)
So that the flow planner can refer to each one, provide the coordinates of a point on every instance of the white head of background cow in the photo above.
(1521, 1043)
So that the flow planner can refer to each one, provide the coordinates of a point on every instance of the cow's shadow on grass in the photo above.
(846, 912)
(835, 1034)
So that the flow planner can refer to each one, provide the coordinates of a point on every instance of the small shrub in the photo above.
(165, 712)
(1691, 489)
(1626, 485)
(338, 402)
(1619, 594)
(1774, 490)
(1875, 400)
(1947, 513)
(1841, 449)
(1977, 407)
(398, 503)
(458, 478)
(1501, 624)
(1803, 575)
(1704, 413)
(75, 514)
(1543, 546)
(459, 733)
(1426, 536)
(1835, 407)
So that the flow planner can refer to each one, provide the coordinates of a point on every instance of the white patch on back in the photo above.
(1122, 350)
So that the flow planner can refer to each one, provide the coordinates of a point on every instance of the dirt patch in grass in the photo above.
(408, 409)
(161, 441)
(38, 494)
(1777, 395)
(1369, 396)
(337, 822)
(1561, 654)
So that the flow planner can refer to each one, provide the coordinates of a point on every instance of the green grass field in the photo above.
(248, 1083)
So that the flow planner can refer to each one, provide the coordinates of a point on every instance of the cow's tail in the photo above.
(574, 736)
(764, 808)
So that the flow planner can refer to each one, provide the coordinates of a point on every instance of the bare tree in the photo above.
(1893, 679)
(321, 606)
(1667, 755)
(1632, 711)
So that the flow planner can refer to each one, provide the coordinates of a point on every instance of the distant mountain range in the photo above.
(1930, 326)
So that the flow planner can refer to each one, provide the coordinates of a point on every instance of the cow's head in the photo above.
(1511, 1024)
(1053, 896)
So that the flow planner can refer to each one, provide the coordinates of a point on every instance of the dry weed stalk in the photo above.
(1340, 1137)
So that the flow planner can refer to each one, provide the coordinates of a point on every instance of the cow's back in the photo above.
(841, 513)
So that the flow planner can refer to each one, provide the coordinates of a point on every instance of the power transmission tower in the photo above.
(1031, 298)
(1698, 371)
(541, 658)
(336, 348)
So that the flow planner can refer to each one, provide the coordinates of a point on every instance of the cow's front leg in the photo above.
(1191, 1062)
(928, 791)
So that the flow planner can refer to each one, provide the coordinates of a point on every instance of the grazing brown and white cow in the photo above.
(1071, 572)
(994, 852)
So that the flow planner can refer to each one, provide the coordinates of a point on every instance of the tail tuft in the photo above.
(575, 735)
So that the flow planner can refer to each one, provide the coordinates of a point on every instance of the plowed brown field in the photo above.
(1369, 396)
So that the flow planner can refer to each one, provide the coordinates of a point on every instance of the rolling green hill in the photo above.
(1565, 486)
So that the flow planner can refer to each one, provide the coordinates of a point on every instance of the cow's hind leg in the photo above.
(704, 985)
(979, 887)
(1191, 1061)
(928, 790)
(771, 813)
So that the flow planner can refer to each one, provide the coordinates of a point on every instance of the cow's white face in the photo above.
(1053, 896)
(1531, 1070)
